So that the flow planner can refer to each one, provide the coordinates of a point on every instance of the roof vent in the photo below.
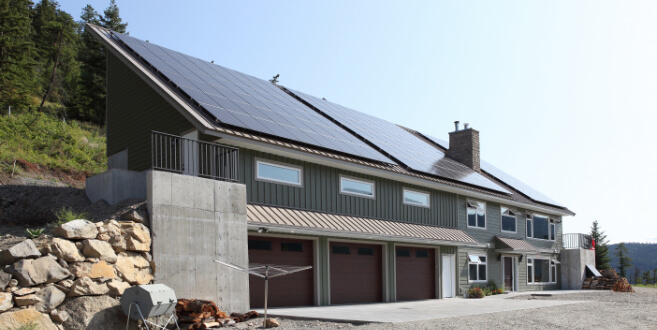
(456, 125)
(466, 125)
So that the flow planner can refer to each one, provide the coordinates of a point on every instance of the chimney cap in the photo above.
(456, 125)
(466, 125)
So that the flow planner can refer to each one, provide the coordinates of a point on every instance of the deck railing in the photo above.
(177, 154)
(577, 241)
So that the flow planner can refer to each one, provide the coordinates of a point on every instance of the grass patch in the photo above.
(654, 286)
(46, 140)
(65, 215)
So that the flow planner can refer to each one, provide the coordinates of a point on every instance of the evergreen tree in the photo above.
(654, 276)
(112, 20)
(16, 53)
(646, 277)
(624, 261)
(602, 258)
(637, 275)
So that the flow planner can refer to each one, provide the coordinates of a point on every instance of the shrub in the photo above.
(476, 292)
(488, 291)
(492, 286)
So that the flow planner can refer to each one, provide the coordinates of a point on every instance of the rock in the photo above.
(118, 243)
(63, 263)
(24, 249)
(6, 301)
(99, 249)
(26, 291)
(103, 237)
(272, 323)
(5, 279)
(51, 297)
(64, 285)
(100, 269)
(95, 312)
(133, 268)
(30, 272)
(65, 250)
(13, 282)
(117, 287)
(76, 229)
(137, 236)
(85, 286)
(26, 319)
(59, 316)
(30, 299)
(139, 215)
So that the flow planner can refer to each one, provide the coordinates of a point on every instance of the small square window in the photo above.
(259, 245)
(476, 214)
(365, 251)
(422, 254)
(341, 249)
(403, 253)
(292, 247)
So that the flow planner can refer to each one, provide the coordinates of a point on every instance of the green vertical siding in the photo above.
(321, 192)
(133, 110)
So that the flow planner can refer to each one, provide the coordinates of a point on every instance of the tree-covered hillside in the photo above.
(643, 255)
(49, 64)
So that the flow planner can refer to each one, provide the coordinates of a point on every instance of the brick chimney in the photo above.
(464, 146)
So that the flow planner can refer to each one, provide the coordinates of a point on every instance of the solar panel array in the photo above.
(400, 144)
(247, 102)
(502, 176)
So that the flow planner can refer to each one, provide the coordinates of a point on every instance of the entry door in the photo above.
(448, 276)
(508, 274)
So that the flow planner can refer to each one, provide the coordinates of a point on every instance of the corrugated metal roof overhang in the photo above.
(514, 245)
(299, 221)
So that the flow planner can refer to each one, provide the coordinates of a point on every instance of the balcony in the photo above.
(204, 159)
(578, 241)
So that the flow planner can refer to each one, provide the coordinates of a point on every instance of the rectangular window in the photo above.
(476, 214)
(421, 254)
(365, 251)
(553, 271)
(477, 268)
(403, 253)
(553, 229)
(540, 271)
(416, 198)
(278, 173)
(508, 220)
(541, 227)
(259, 245)
(341, 249)
(356, 187)
(291, 247)
(530, 231)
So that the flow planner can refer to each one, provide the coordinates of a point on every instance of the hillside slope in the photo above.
(644, 256)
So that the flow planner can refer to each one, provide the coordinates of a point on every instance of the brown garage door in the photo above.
(416, 275)
(290, 290)
(356, 273)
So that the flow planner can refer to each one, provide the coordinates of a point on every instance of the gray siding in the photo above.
(133, 110)
(321, 192)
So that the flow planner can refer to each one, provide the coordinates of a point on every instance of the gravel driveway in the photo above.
(607, 310)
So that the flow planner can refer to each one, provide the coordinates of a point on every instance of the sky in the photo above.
(563, 93)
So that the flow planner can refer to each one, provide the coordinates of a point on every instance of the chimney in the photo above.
(464, 147)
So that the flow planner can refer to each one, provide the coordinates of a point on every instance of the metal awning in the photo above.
(328, 224)
(514, 245)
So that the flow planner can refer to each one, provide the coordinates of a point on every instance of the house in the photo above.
(249, 171)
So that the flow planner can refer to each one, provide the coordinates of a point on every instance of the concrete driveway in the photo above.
(417, 310)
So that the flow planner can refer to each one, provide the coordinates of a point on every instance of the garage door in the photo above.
(416, 275)
(290, 290)
(356, 273)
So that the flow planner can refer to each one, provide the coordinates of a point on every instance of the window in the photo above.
(422, 254)
(476, 214)
(341, 249)
(291, 247)
(477, 268)
(403, 253)
(278, 173)
(508, 220)
(259, 245)
(541, 227)
(416, 198)
(540, 271)
(356, 187)
(365, 251)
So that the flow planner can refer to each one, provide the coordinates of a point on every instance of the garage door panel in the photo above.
(356, 273)
(290, 290)
(415, 271)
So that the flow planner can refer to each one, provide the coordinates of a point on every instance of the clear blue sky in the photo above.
(564, 93)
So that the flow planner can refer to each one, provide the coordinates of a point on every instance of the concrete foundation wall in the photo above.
(194, 221)
(116, 185)
(573, 267)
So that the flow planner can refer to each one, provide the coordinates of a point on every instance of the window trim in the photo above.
(478, 263)
(512, 213)
(467, 206)
(551, 224)
(280, 165)
(349, 193)
(552, 264)
(428, 194)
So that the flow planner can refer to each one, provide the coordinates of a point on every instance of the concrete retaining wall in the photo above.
(116, 185)
(194, 221)
(573, 267)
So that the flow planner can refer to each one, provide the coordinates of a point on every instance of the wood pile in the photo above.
(204, 314)
(608, 281)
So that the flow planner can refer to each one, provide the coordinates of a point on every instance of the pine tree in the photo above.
(624, 261)
(602, 258)
(112, 20)
(16, 53)
(637, 275)
(654, 276)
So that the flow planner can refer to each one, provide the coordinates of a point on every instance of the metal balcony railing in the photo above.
(180, 155)
(577, 241)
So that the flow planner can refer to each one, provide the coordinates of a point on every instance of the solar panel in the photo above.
(400, 144)
(247, 102)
